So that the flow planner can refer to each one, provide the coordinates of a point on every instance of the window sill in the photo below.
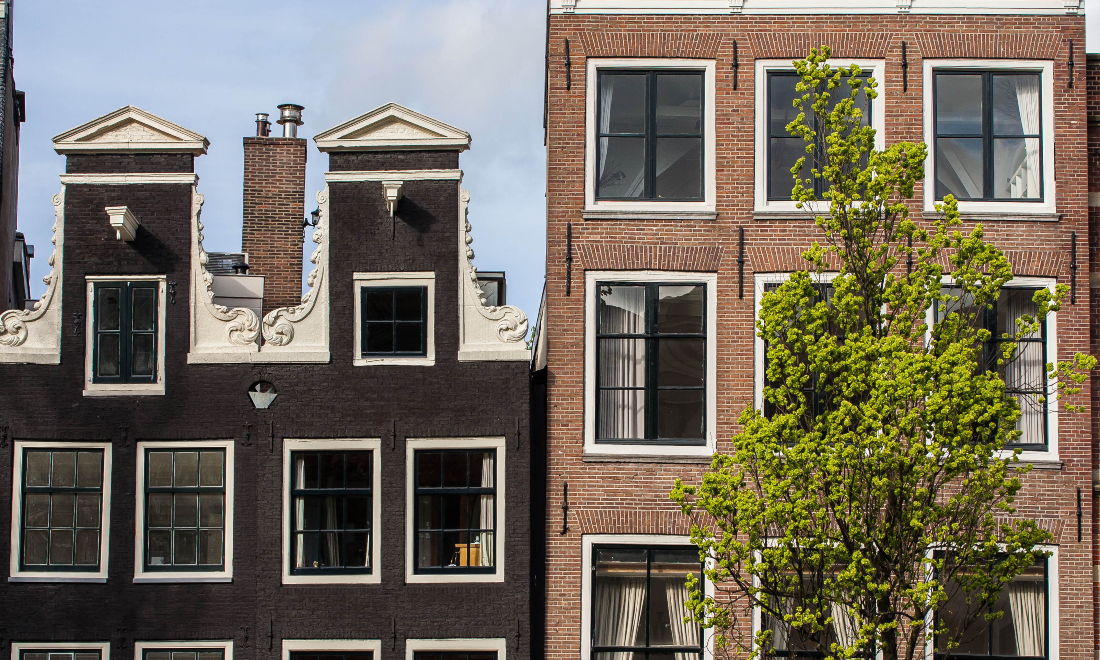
(156, 389)
(95, 578)
(627, 214)
(395, 361)
(177, 578)
(349, 578)
(646, 458)
(1040, 464)
(991, 216)
(419, 578)
(793, 214)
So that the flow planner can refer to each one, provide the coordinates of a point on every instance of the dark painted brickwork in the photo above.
(394, 160)
(129, 163)
(315, 401)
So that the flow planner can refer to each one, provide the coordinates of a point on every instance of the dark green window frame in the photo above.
(128, 291)
(342, 494)
(332, 655)
(393, 322)
(454, 655)
(813, 390)
(183, 653)
(76, 490)
(60, 653)
(444, 530)
(174, 490)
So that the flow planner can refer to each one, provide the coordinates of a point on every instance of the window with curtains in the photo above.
(651, 370)
(62, 493)
(331, 504)
(785, 149)
(1022, 632)
(331, 655)
(394, 321)
(184, 509)
(160, 653)
(812, 390)
(649, 130)
(455, 511)
(638, 596)
(124, 323)
(1025, 376)
(60, 654)
(988, 135)
(455, 655)
(789, 641)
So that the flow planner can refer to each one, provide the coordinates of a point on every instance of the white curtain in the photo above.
(667, 156)
(299, 514)
(684, 633)
(487, 503)
(607, 92)
(961, 163)
(332, 539)
(617, 613)
(1026, 601)
(1025, 182)
(843, 625)
(622, 364)
(1027, 370)
(779, 627)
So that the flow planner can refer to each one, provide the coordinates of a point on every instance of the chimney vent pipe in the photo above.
(290, 116)
(263, 126)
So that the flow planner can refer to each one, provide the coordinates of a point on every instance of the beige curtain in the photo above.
(684, 633)
(488, 519)
(299, 513)
(1027, 370)
(617, 613)
(1026, 602)
(622, 364)
(843, 625)
(1025, 182)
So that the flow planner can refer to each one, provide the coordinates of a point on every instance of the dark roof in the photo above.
(222, 263)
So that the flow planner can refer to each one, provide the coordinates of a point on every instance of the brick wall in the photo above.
(632, 496)
(274, 207)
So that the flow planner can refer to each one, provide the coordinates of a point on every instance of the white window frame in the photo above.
(497, 645)
(373, 445)
(591, 314)
(588, 541)
(877, 69)
(331, 646)
(382, 280)
(413, 445)
(709, 203)
(104, 648)
(1049, 204)
(1051, 453)
(226, 646)
(143, 576)
(16, 574)
(123, 389)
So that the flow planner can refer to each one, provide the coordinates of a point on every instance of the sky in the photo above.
(210, 65)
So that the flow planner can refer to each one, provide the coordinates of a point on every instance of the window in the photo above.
(493, 286)
(788, 641)
(1025, 377)
(60, 510)
(785, 149)
(456, 649)
(637, 602)
(185, 510)
(330, 655)
(651, 363)
(125, 343)
(332, 511)
(455, 509)
(183, 654)
(332, 649)
(394, 319)
(179, 650)
(813, 390)
(650, 135)
(1023, 631)
(60, 654)
(455, 655)
(60, 651)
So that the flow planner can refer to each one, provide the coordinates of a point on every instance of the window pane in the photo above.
(158, 655)
(430, 472)
(428, 512)
(63, 510)
(455, 510)
(37, 512)
(160, 543)
(679, 168)
(622, 309)
(960, 168)
(35, 547)
(38, 468)
(680, 309)
(185, 546)
(481, 469)
(621, 414)
(680, 414)
(186, 510)
(409, 305)
(621, 363)
(357, 550)
(454, 470)
(61, 547)
(379, 338)
(959, 104)
(1016, 168)
(87, 547)
(679, 103)
(428, 553)
(783, 153)
(379, 306)
(87, 510)
(359, 469)
(144, 314)
(357, 510)
(682, 363)
(619, 596)
(142, 356)
(305, 471)
(1016, 104)
(332, 470)
(186, 469)
(667, 611)
(211, 468)
(620, 167)
(210, 509)
(90, 470)
(210, 546)
(183, 655)
(781, 108)
(622, 103)
(160, 469)
(159, 510)
(108, 355)
(64, 469)
(107, 314)
(408, 337)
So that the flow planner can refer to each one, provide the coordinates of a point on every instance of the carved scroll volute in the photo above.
(41, 324)
(510, 321)
(241, 325)
(279, 324)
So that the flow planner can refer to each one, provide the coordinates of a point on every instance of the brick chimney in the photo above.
(274, 206)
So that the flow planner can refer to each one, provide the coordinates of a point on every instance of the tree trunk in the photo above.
(890, 635)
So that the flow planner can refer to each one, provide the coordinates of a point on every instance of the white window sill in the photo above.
(182, 578)
(417, 578)
(1040, 460)
(153, 389)
(646, 458)
(368, 578)
(993, 216)
(408, 361)
(646, 214)
(614, 452)
(90, 578)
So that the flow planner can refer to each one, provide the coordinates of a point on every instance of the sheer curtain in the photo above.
(668, 154)
(684, 633)
(299, 514)
(1027, 370)
(779, 627)
(1025, 182)
(622, 363)
(1026, 601)
(607, 92)
(487, 518)
(332, 539)
(617, 613)
(843, 625)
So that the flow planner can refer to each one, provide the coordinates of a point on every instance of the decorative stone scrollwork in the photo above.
(279, 323)
(242, 327)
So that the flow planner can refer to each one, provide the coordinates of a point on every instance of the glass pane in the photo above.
(622, 103)
(210, 546)
(409, 305)
(481, 468)
(428, 553)
(679, 103)
(183, 655)
(379, 338)
(482, 512)
(27, 655)
(160, 469)
(430, 469)
(210, 655)
(428, 514)
(619, 589)
(144, 316)
(620, 167)
(211, 468)
(186, 512)
(1016, 104)
(158, 655)
(783, 153)
(454, 470)
(357, 550)
(87, 547)
(682, 363)
(186, 469)
(455, 511)
(1016, 168)
(308, 513)
(408, 337)
(622, 309)
(64, 469)
(90, 469)
(86, 656)
(621, 363)
(160, 543)
(210, 510)
(38, 468)
(958, 104)
(679, 168)
(359, 469)
(63, 510)
(332, 470)
(781, 108)
(87, 510)
(1032, 422)
(35, 546)
(667, 612)
(37, 513)
(680, 414)
(1013, 304)
(107, 316)
(159, 510)
(379, 305)
(108, 355)
(185, 546)
(680, 309)
(61, 547)
(305, 470)
(357, 511)
(621, 414)
(142, 355)
(960, 168)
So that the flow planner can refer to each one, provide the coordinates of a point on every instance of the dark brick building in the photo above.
(347, 476)
(15, 254)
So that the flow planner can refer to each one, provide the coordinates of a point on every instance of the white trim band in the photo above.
(393, 175)
(789, 7)
(114, 179)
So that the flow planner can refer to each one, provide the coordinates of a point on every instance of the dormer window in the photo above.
(125, 336)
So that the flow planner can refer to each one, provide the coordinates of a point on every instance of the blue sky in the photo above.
(210, 65)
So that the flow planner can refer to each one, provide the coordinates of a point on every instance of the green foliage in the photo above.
(866, 504)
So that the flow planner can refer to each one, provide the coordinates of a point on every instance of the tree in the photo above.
(881, 476)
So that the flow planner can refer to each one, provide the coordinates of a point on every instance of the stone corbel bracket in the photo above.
(486, 332)
(124, 222)
(33, 336)
(391, 190)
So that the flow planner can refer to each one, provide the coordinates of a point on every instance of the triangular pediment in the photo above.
(392, 128)
(130, 129)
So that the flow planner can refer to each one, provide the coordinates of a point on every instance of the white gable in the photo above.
(130, 129)
(392, 128)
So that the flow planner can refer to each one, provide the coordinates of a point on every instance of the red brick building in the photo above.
(665, 223)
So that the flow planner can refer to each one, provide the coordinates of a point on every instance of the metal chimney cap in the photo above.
(289, 112)
(261, 116)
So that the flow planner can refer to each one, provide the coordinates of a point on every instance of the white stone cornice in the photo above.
(393, 127)
(129, 179)
(129, 130)
(393, 175)
(807, 7)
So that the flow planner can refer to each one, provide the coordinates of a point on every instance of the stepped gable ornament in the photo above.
(130, 130)
(392, 127)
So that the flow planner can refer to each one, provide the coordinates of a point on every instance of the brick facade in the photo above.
(630, 496)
